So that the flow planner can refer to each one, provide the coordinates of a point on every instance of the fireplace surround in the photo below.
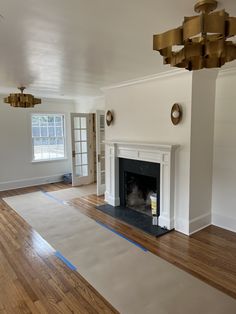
(161, 154)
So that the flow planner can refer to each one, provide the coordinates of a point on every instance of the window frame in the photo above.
(32, 138)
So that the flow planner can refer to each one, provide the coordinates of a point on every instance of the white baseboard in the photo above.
(10, 185)
(199, 223)
(225, 222)
(182, 225)
(194, 225)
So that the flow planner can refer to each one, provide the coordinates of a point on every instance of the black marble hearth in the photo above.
(134, 218)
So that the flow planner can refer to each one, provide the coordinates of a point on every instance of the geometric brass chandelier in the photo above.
(202, 41)
(22, 100)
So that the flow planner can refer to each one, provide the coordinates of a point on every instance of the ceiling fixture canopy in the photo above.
(22, 100)
(202, 41)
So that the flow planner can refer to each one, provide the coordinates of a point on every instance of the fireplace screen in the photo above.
(139, 180)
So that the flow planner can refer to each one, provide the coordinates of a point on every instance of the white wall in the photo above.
(202, 139)
(142, 113)
(224, 170)
(16, 167)
(90, 105)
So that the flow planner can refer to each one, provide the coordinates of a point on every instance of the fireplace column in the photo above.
(112, 176)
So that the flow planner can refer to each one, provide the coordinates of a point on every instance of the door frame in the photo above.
(76, 179)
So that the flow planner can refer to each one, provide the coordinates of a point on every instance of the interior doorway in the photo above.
(88, 149)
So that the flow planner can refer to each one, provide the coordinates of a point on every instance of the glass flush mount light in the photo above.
(203, 41)
(22, 100)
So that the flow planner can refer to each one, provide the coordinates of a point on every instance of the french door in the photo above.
(82, 172)
(100, 149)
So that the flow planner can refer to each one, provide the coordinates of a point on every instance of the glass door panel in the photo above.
(100, 137)
(80, 146)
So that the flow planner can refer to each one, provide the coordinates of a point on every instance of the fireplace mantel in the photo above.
(152, 152)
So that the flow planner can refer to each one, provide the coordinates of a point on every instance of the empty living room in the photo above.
(117, 159)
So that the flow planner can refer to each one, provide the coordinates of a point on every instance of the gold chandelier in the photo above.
(201, 42)
(22, 100)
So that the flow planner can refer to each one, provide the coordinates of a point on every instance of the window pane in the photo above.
(78, 159)
(59, 132)
(77, 135)
(44, 148)
(58, 121)
(37, 148)
(83, 123)
(53, 141)
(59, 149)
(44, 132)
(102, 136)
(102, 148)
(51, 120)
(84, 159)
(78, 170)
(83, 135)
(102, 122)
(84, 147)
(103, 178)
(85, 170)
(43, 120)
(77, 147)
(77, 122)
(35, 120)
(52, 147)
(102, 164)
(51, 131)
(37, 141)
(35, 131)
(45, 141)
(48, 139)
(60, 140)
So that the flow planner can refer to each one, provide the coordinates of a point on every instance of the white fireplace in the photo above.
(150, 152)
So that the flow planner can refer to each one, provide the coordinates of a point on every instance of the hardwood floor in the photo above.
(33, 280)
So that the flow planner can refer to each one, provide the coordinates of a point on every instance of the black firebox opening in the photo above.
(138, 191)
(138, 181)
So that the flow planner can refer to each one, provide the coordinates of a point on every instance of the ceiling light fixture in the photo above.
(22, 100)
(204, 39)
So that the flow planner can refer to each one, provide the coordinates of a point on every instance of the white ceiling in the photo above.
(75, 47)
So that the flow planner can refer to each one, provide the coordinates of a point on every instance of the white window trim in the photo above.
(33, 161)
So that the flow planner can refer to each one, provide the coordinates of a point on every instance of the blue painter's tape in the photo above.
(53, 198)
(122, 236)
(64, 260)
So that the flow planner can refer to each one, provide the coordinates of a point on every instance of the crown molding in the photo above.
(163, 75)
(227, 71)
(144, 79)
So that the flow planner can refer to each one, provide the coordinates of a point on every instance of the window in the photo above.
(48, 138)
